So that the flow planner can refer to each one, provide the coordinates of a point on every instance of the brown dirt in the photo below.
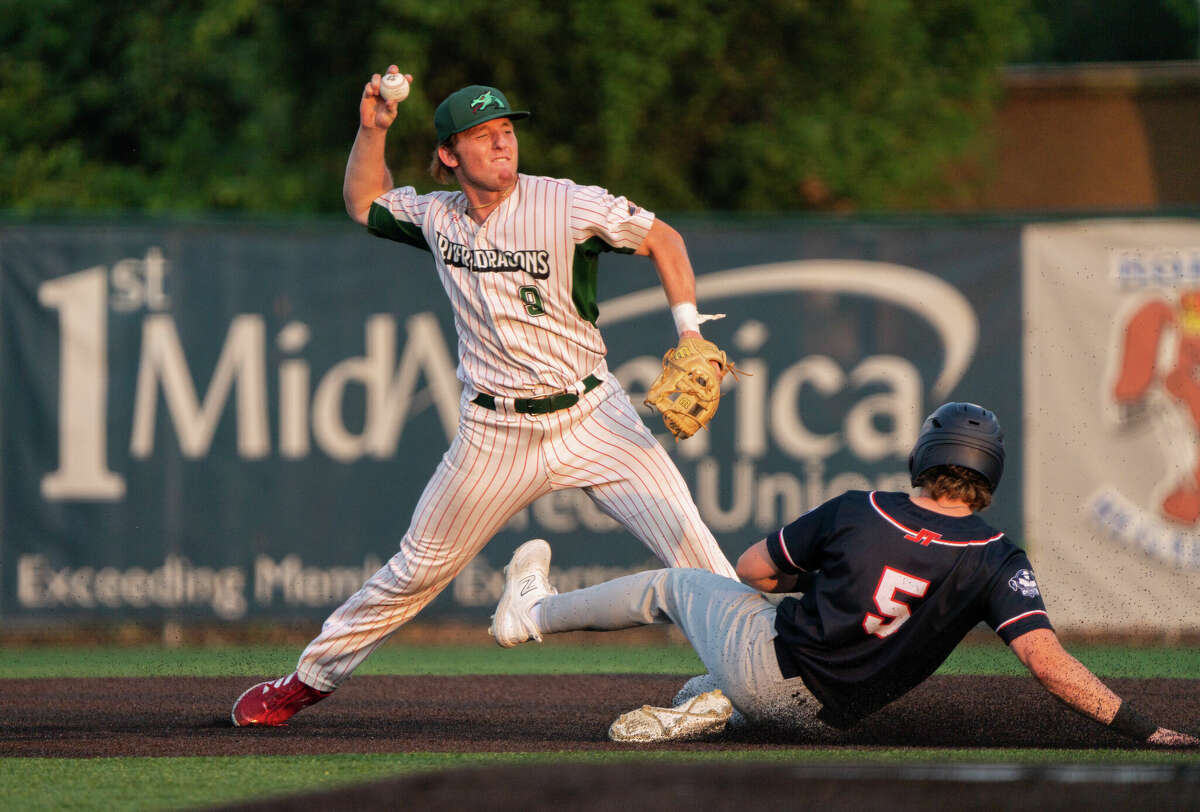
(190, 716)
(374, 714)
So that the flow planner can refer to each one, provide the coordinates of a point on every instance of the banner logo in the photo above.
(932, 299)
(143, 385)
(1159, 355)
(1153, 393)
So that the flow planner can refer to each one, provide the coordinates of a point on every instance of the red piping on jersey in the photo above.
(910, 532)
(1020, 617)
(783, 546)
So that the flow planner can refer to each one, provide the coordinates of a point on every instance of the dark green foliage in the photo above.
(1115, 30)
(251, 105)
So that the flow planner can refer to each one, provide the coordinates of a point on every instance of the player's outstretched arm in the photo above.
(666, 249)
(367, 175)
(1071, 682)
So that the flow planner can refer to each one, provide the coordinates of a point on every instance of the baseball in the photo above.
(393, 87)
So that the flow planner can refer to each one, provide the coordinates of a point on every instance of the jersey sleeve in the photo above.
(399, 215)
(619, 223)
(796, 548)
(1014, 603)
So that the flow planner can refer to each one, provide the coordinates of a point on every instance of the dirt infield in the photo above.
(190, 716)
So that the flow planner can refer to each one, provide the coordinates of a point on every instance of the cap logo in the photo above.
(484, 101)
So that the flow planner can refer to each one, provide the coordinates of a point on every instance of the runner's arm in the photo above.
(757, 571)
(1072, 683)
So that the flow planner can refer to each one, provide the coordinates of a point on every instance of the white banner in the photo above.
(1112, 422)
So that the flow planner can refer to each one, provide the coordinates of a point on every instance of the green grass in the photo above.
(1105, 661)
(154, 661)
(181, 783)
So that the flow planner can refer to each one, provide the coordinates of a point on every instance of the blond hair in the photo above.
(442, 173)
(956, 482)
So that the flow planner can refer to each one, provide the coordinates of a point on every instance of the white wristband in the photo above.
(686, 317)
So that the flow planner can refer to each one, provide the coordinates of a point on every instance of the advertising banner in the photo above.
(231, 422)
(1112, 416)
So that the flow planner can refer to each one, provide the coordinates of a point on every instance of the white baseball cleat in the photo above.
(526, 581)
(694, 718)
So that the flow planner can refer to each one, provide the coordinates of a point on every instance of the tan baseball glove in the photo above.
(688, 390)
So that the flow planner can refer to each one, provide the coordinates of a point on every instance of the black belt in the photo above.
(550, 403)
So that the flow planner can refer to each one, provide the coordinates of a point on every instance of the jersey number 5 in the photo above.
(892, 613)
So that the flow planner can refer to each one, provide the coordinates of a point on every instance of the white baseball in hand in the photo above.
(393, 87)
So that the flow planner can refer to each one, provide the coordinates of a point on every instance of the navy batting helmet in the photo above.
(960, 434)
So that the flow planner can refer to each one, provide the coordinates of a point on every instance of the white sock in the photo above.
(535, 614)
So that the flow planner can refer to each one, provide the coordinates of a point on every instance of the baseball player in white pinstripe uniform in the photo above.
(540, 411)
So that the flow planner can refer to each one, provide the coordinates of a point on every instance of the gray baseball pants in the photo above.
(730, 625)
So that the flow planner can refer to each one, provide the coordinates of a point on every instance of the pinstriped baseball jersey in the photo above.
(523, 289)
(523, 283)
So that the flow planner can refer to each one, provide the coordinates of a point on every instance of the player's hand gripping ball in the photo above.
(393, 87)
(688, 390)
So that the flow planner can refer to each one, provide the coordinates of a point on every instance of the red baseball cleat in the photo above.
(271, 704)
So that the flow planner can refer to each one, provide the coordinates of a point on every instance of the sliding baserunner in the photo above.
(898, 581)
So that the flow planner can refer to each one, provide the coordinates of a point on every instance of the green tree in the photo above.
(773, 105)
(1115, 30)
(251, 105)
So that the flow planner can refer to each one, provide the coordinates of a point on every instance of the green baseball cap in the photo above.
(472, 105)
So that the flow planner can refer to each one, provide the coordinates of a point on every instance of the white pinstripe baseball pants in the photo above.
(499, 463)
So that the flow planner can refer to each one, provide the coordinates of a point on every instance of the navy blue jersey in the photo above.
(896, 587)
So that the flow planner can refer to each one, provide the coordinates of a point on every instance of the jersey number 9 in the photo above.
(533, 300)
